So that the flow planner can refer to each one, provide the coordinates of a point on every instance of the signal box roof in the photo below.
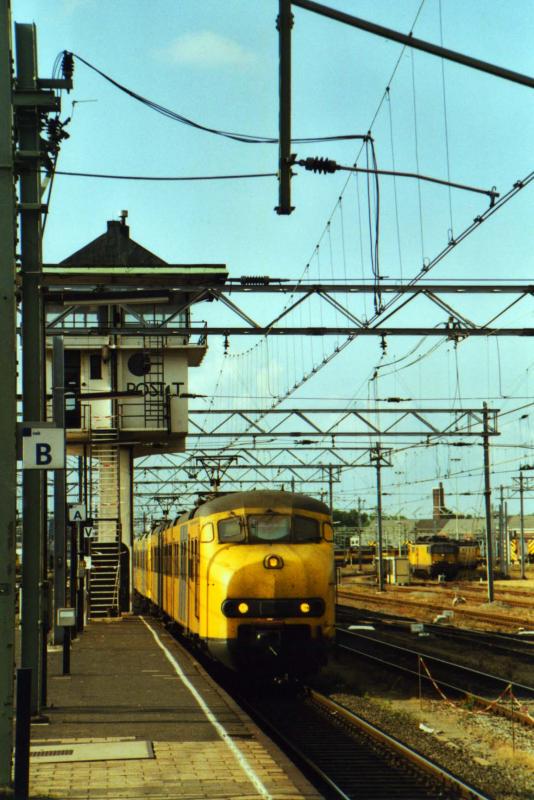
(115, 258)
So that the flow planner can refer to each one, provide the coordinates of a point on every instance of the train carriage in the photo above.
(250, 576)
(433, 555)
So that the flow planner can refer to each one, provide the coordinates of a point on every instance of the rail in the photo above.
(442, 775)
(436, 608)
(419, 674)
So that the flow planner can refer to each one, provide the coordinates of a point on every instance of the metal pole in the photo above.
(8, 401)
(522, 534)
(487, 498)
(60, 516)
(22, 741)
(28, 127)
(379, 519)
(501, 528)
(418, 44)
(284, 23)
(506, 539)
(330, 490)
(73, 571)
(66, 651)
(81, 581)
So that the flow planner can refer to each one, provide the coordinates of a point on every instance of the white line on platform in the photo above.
(243, 763)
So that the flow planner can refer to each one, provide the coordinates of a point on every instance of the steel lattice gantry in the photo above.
(456, 323)
(333, 423)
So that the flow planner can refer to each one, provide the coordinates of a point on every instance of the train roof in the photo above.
(261, 499)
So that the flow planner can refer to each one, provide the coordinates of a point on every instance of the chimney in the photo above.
(441, 498)
(436, 502)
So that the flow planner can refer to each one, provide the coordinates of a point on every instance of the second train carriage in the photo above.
(249, 575)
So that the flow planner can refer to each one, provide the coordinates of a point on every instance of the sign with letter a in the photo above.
(77, 512)
(43, 448)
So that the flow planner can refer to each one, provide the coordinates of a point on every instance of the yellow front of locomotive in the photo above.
(270, 584)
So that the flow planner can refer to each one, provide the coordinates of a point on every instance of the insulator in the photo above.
(321, 165)
(67, 65)
(254, 280)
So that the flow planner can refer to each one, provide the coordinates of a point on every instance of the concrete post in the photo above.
(29, 129)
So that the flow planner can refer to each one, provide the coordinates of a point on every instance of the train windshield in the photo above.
(442, 549)
(269, 528)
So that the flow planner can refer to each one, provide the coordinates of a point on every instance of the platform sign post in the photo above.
(8, 401)
(60, 498)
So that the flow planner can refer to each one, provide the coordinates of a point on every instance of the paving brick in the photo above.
(123, 688)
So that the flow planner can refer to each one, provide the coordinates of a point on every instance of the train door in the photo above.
(174, 576)
(159, 567)
(196, 567)
(182, 590)
(193, 580)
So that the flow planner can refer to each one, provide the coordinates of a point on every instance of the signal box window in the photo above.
(269, 528)
(95, 366)
(231, 530)
(305, 529)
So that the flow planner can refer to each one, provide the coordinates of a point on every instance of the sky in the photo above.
(216, 62)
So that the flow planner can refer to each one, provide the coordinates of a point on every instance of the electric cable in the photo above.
(177, 117)
(166, 177)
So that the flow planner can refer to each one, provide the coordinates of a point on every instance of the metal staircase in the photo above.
(104, 580)
(105, 547)
(154, 380)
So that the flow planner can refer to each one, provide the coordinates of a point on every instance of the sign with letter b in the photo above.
(43, 448)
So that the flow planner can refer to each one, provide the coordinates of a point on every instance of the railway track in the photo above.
(524, 600)
(453, 679)
(346, 756)
(492, 619)
(478, 588)
(509, 645)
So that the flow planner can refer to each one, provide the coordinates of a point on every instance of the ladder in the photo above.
(154, 391)
(104, 578)
(105, 450)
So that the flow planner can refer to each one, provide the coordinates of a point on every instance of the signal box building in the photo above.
(121, 311)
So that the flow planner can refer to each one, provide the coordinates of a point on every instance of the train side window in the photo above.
(328, 532)
(207, 534)
(231, 529)
(306, 529)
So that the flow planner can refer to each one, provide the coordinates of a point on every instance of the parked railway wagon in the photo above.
(515, 546)
(433, 555)
(468, 554)
(249, 576)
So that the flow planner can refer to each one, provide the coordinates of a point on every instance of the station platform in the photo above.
(138, 717)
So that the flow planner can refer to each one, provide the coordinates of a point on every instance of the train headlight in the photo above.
(305, 608)
(242, 608)
(273, 562)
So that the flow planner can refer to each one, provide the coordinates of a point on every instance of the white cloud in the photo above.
(71, 6)
(206, 49)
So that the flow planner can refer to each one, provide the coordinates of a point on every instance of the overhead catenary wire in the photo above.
(244, 138)
(163, 178)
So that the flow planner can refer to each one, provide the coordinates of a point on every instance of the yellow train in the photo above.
(515, 548)
(433, 555)
(468, 554)
(249, 576)
(438, 555)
